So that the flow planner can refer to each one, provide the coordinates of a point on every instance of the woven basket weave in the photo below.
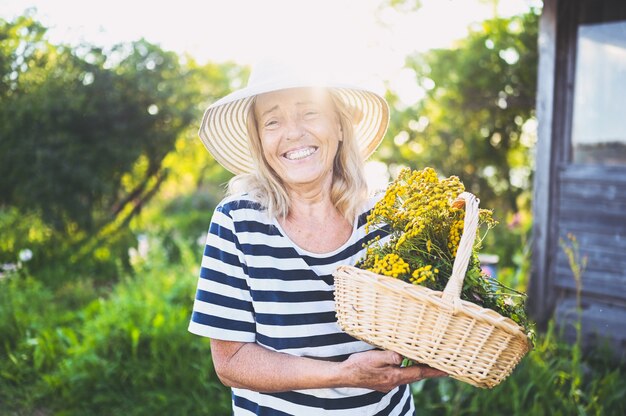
(470, 343)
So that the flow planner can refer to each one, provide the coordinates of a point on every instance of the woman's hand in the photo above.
(381, 371)
(251, 366)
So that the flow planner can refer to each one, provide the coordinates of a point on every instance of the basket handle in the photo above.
(452, 291)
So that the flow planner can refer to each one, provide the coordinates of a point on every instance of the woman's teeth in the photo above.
(300, 154)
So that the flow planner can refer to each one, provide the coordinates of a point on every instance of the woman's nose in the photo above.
(294, 129)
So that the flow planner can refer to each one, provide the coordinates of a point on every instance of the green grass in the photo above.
(78, 351)
(550, 380)
(83, 348)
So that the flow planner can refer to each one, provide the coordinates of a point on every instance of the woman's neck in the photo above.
(309, 202)
(311, 206)
(316, 227)
(313, 222)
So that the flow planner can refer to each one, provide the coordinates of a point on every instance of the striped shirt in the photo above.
(256, 285)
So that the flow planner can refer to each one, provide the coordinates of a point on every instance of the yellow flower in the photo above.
(418, 209)
(454, 237)
(421, 274)
(425, 228)
(390, 265)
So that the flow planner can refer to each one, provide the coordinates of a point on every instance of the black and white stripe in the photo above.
(256, 285)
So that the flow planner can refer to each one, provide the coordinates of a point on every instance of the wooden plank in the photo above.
(604, 281)
(604, 238)
(576, 225)
(593, 208)
(593, 191)
(616, 277)
(584, 219)
(611, 175)
(595, 284)
(611, 243)
(601, 324)
(589, 174)
(596, 262)
(587, 297)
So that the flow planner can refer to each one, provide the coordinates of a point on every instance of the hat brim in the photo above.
(224, 133)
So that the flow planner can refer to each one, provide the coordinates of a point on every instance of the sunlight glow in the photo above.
(376, 175)
(370, 37)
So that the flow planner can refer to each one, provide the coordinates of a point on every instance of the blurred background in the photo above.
(106, 192)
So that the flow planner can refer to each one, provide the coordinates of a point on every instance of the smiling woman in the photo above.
(296, 211)
(296, 135)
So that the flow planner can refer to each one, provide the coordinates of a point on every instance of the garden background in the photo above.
(106, 194)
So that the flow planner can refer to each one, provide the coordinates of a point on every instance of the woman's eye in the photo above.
(271, 123)
(310, 113)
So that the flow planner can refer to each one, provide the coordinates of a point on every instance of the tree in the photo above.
(84, 132)
(478, 96)
(479, 100)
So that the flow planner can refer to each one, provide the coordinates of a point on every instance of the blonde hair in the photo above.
(348, 188)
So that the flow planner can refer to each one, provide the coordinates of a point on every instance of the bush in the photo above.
(29, 344)
(180, 222)
(133, 355)
(80, 348)
(550, 380)
(84, 349)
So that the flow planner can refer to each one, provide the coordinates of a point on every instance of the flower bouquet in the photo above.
(420, 290)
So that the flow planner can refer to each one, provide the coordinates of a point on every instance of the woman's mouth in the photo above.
(300, 153)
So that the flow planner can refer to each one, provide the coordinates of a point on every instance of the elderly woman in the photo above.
(296, 210)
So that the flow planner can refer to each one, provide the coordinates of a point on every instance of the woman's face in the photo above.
(300, 133)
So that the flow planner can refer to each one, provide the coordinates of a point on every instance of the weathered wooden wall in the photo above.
(588, 201)
(592, 207)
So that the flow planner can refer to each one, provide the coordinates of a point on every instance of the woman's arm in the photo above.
(253, 367)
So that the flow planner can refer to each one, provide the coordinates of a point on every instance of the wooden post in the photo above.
(539, 286)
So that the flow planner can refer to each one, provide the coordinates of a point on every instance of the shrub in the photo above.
(27, 323)
(544, 383)
(133, 354)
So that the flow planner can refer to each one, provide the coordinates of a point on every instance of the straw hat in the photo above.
(224, 133)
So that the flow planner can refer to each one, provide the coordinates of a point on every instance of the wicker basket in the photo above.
(470, 343)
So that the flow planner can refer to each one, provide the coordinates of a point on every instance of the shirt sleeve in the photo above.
(223, 307)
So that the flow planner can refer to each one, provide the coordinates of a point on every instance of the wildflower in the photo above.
(423, 273)
(454, 237)
(426, 222)
(25, 255)
(390, 265)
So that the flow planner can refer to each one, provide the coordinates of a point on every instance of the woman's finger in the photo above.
(420, 371)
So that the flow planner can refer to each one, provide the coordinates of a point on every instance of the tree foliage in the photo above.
(476, 121)
(73, 125)
(84, 132)
(477, 98)
(88, 136)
